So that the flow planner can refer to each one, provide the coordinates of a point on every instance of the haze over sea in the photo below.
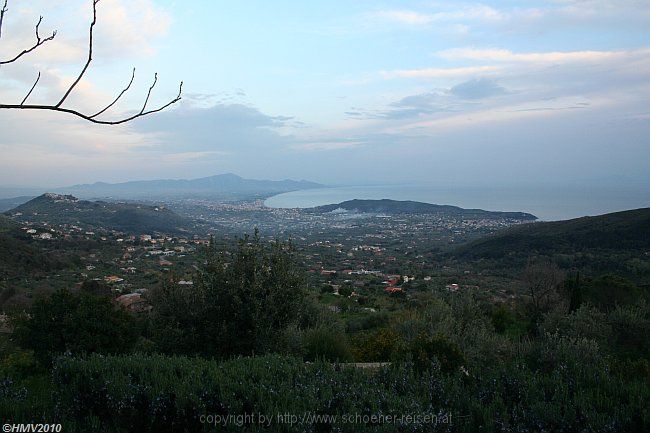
(548, 203)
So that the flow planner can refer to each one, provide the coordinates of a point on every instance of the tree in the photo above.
(543, 280)
(608, 291)
(573, 291)
(92, 117)
(239, 305)
(76, 323)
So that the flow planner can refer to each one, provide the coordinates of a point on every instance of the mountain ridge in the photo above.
(220, 185)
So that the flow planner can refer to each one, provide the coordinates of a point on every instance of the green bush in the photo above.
(608, 291)
(378, 346)
(426, 351)
(502, 318)
(75, 323)
(585, 322)
(19, 364)
(325, 343)
(366, 322)
(631, 330)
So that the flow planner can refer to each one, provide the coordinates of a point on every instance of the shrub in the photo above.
(369, 321)
(19, 364)
(345, 291)
(75, 323)
(586, 322)
(425, 350)
(608, 291)
(502, 318)
(379, 346)
(326, 343)
(630, 330)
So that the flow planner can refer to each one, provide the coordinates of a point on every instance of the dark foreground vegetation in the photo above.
(571, 354)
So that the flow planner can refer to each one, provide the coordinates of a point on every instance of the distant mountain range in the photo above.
(57, 209)
(620, 231)
(408, 207)
(222, 186)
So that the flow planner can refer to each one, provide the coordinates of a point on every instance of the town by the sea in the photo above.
(548, 203)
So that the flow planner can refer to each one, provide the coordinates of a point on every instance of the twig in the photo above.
(2, 15)
(39, 40)
(32, 89)
(118, 96)
(146, 101)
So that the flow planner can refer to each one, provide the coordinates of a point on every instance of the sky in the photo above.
(339, 92)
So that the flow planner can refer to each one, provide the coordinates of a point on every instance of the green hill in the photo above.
(410, 207)
(618, 241)
(56, 209)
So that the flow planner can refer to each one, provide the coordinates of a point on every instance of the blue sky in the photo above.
(493, 92)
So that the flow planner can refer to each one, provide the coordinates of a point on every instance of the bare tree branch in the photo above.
(3, 11)
(91, 118)
(39, 41)
(118, 96)
(32, 89)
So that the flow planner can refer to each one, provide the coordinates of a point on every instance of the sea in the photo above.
(548, 203)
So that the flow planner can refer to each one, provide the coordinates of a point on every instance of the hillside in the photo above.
(219, 186)
(19, 256)
(395, 206)
(591, 239)
(10, 203)
(126, 217)
(6, 224)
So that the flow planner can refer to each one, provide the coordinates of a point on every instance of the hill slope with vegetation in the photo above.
(56, 209)
(612, 242)
(397, 206)
(20, 256)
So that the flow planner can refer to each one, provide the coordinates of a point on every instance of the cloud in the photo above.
(185, 157)
(405, 17)
(478, 88)
(221, 127)
(456, 99)
(439, 72)
(463, 13)
(128, 27)
(503, 55)
(462, 19)
(326, 145)
(418, 105)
